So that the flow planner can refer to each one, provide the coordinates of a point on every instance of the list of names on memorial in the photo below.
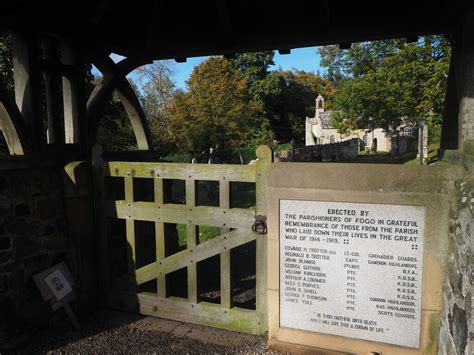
(352, 269)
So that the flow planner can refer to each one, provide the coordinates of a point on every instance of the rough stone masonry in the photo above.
(457, 328)
(32, 238)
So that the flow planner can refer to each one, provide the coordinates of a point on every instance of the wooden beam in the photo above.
(115, 80)
(12, 124)
(345, 45)
(55, 133)
(239, 173)
(213, 315)
(226, 266)
(200, 252)
(75, 124)
(284, 51)
(26, 76)
(96, 104)
(172, 213)
(264, 160)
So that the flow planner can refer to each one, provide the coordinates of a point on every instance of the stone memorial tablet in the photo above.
(352, 269)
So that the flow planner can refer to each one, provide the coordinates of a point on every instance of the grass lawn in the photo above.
(370, 153)
(411, 159)
(205, 233)
(242, 196)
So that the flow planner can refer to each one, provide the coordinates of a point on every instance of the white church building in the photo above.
(319, 130)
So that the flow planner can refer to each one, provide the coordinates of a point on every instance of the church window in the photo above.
(407, 131)
(365, 139)
(320, 104)
(332, 139)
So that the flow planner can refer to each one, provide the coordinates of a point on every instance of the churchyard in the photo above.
(256, 209)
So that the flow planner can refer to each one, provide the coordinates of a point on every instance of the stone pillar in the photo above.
(422, 144)
(309, 139)
(465, 82)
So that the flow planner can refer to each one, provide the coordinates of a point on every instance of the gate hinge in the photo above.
(260, 224)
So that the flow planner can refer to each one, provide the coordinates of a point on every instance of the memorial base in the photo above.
(356, 256)
(301, 349)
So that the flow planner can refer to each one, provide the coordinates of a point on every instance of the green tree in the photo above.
(294, 101)
(387, 83)
(215, 111)
(157, 90)
(283, 98)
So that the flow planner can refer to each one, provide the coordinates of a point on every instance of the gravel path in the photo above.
(110, 332)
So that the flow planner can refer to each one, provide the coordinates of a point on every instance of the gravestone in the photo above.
(327, 153)
(356, 255)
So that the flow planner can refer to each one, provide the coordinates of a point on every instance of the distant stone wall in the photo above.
(32, 238)
(457, 322)
(341, 151)
(403, 144)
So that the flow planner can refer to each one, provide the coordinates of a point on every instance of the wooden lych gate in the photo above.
(148, 285)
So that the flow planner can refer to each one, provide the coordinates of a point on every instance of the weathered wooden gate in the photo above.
(130, 287)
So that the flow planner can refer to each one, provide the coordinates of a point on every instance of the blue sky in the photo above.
(306, 59)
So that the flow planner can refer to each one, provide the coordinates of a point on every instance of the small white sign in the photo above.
(58, 284)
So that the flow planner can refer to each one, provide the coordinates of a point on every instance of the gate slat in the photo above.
(169, 213)
(202, 251)
(130, 226)
(192, 269)
(213, 315)
(240, 173)
(160, 255)
(226, 272)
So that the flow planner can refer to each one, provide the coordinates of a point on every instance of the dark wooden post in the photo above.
(83, 241)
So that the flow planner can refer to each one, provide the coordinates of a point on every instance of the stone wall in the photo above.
(457, 323)
(341, 151)
(32, 238)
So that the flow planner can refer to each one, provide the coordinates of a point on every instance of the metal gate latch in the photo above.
(260, 225)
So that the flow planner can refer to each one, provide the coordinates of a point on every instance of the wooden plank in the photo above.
(160, 255)
(130, 226)
(216, 172)
(226, 280)
(159, 236)
(128, 183)
(192, 269)
(199, 253)
(213, 315)
(170, 213)
(265, 158)
(131, 250)
(225, 262)
(73, 99)
(190, 192)
(104, 235)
